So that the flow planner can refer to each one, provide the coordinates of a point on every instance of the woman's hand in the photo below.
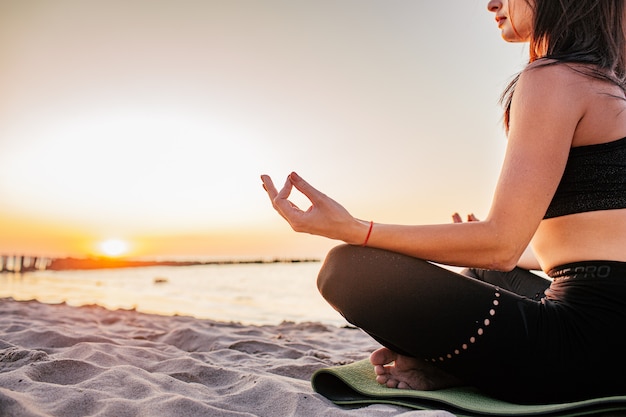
(325, 217)
(456, 218)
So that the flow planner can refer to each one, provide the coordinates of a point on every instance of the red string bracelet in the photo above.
(369, 232)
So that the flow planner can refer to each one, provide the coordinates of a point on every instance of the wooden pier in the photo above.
(22, 263)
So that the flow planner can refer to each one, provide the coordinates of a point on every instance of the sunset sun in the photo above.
(113, 247)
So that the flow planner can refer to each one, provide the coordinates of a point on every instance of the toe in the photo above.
(392, 383)
(382, 356)
(403, 385)
(380, 370)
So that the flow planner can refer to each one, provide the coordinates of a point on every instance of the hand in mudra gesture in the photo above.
(325, 217)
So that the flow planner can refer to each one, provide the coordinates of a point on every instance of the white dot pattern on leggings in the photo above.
(480, 331)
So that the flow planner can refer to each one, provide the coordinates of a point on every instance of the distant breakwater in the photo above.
(23, 263)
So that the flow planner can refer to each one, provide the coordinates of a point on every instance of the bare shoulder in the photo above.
(576, 81)
(553, 89)
(549, 102)
(571, 95)
(548, 78)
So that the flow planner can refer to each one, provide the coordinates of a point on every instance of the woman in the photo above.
(511, 333)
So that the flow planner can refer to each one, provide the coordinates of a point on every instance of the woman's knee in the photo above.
(354, 278)
(332, 276)
(347, 280)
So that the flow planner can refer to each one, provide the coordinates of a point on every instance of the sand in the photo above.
(59, 360)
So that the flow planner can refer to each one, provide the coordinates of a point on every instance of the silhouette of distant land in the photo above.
(25, 263)
(61, 264)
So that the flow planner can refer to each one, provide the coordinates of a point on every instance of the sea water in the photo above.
(259, 294)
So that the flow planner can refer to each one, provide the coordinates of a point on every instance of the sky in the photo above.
(150, 121)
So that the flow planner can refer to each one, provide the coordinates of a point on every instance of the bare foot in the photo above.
(405, 372)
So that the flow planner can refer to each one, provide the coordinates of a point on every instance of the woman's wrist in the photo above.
(369, 233)
(360, 233)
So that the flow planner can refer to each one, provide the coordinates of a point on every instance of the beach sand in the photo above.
(59, 360)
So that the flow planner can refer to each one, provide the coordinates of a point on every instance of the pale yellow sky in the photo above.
(151, 120)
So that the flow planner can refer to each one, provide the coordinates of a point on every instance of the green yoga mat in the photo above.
(355, 385)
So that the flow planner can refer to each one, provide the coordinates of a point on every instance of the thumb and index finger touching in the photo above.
(294, 180)
(305, 188)
(280, 197)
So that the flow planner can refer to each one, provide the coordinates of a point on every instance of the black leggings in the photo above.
(515, 335)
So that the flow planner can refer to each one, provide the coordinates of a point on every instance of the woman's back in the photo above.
(595, 234)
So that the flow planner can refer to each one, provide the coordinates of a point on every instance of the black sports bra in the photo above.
(594, 179)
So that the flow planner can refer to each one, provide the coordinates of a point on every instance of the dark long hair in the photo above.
(589, 32)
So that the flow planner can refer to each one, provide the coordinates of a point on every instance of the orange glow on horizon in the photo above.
(22, 235)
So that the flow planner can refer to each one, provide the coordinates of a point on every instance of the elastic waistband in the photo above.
(589, 269)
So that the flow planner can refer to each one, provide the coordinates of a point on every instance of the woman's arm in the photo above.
(546, 109)
(527, 260)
